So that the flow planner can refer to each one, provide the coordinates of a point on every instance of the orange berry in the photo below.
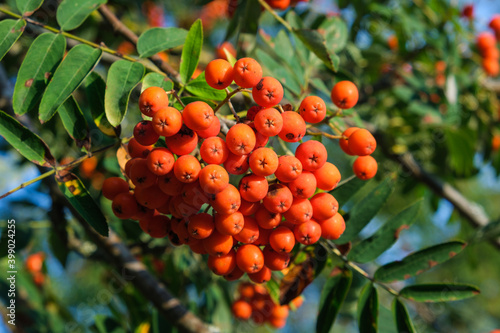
(229, 224)
(187, 168)
(140, 175)
(252, 112)
(263, 237)
(136, 150)
(213, 130)
(260, 140)
(294, 127)
(247, 72)
(253, 188)
(491, 66)
(248, 208)
(160, 161)
(228, 47)
(275, 261)
(362, 142)
(327, 177)
(201, 225)
(278, 199)
(365, 167)
(268, 122)
(279, 4)
(156, 226)
(152, 100)
(300, 211)
(344, 143)
(486, 40)
(241, 310)
(249, 258)
(240, 139)
(345, 94)
(214, 150)
(307, 233)
(145, 134)
(213, 179)
(235, 274)
(150, 197)
(261, 276)
(250, 231)
(236, 164)
(246, 290)
(222, 265)
(324, 206)
(228, 201)
(332, 228)
(303, 186)
(113, 186)
(289, 168)
(167, 121)
(495, 23)
(170, 185)
(282, 239)
(312, 109)
(219, 74)
(311, 154)
(267, 92)
(218, 244)
(182, 143)
(267, 219)
(124, 205)
(263, 162)
(198, 116)
(34, 262)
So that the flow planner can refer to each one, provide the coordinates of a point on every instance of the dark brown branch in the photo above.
(129, 35)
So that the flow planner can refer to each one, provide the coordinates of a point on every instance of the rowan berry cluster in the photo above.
(255, 303)
(279, 201)
(487, 45)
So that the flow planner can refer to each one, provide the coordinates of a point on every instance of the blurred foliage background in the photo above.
(421, 87)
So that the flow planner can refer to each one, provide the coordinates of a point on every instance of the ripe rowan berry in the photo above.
(311, 154)
(249, 258)
(228, 201)
(167, 121)
(279, 4)
(182, 143)
(252, 112)
(327, 177)
(344, 143)
(307, 233)
(136, 150)
(160, 161)
(128, 166)
(113, 186)
(365, 167)
(140, 175)
(214, 150)
(213, 179)
(248, 208)
(198, 116)
(124, 205)
(169, 184)
(150, 197)
(236, 164)
(324, 206)
(294, 127)
(362, 142)
(332, 228)
(145, 134)
(219, 74)
(246, 290)
(282, 239)
(278, 199)
(247, 72)
(491, 66)
(303, 186)
(156, 226)
(263, 237)
(213, 130)
(241, 310)
(263, 162)
(300, 211)
(253, 188)
(234, 275)
(289, 168)
(275, 261)
(152, 100)
(218, 244)
(312, 109)
(240, 139)
(267, 219)
(222, 265)
(495, 23)
(201, 225)
(250, 231)
(261, 276)
(260, 140)
(187, 168)
(267, 92)
(196, 245)
(230, 224)
(345, 94)
(486, 40)
(193, 195)
(268, 122)
(225, 46)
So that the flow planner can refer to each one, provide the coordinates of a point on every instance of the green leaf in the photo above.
(24, 141)
(42, 59)
(461, 150)
(157, 80)
(78, 196)
(74, 122)
(370, 248)
(123, 76)
(27, 7)
(439, 292)
(78, 63)
(347, 190)
(403, 321)
(334, 31)
(200, 88)
(95, 89)
(156, 40)
(245, 19)
(191, 51)
(230, 58)
(368, 309)
(418, 262)
(315, 42)
(363, 211)
(332, 297)
(190, 99)
(10, 31)
(279, 72)
(71, 13)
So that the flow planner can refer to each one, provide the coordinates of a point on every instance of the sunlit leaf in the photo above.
(71, 13)
(191, 51)
(10, 31)
(156, 40)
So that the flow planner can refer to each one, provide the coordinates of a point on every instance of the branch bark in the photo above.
(129, 35)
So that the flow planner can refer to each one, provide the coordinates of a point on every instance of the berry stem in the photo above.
(173, 92)
(228, 97)
(336, 129)
(315, 131)
(26, 184)
(233, 111)
(345, 181)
